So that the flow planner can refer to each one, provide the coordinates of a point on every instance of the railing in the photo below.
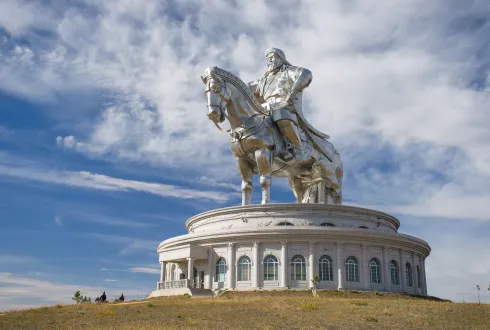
(174, 284)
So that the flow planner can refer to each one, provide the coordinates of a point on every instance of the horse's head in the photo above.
(216, 94)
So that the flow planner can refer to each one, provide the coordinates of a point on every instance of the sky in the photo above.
(106, 149)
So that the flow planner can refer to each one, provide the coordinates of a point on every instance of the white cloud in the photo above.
(13, 259)
(58, 220)
(83, 179)
(20, 292)
(145, 270)
(375, 72)
(5, 131)
(394, 85)
(128, 244)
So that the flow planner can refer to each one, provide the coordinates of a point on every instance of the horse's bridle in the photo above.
(221, 107)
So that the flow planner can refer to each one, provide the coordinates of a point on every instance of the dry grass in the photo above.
(261, 310)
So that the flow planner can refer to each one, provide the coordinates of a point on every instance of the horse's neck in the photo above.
(239, 110)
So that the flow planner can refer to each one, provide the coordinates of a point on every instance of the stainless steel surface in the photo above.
(269, 134)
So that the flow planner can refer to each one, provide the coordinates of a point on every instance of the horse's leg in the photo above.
(264, 163)
(297, 188)
(245, 169)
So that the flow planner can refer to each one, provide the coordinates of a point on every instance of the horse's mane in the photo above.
(239, 84)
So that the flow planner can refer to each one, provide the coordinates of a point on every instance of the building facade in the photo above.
(285, 246)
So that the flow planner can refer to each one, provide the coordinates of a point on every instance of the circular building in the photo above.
(285, 246)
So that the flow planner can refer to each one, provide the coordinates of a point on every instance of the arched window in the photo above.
(284, 223)
(244, 269)
(298, 268)
(327, 224)
(374, 267)
(395, 279)
(351, 270)
(408, 274)
(418, 278)
(221, 270)
(271, 268)
(325, 268)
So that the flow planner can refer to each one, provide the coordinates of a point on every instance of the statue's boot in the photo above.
(290, 132)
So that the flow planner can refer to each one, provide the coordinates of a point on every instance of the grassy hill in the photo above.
(261, 310)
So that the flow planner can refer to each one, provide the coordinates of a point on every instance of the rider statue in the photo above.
(280, 92)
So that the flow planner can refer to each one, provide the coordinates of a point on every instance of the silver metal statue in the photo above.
(269, 134)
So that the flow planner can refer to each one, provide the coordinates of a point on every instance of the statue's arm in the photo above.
(254, 88)
(302, 78)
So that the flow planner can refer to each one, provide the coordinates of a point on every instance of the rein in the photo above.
(223, 111)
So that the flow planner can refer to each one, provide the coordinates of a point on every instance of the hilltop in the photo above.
(264, 309)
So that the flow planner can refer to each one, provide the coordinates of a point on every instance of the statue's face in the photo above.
(273, 61)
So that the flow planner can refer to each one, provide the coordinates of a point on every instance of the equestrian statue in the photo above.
(269, 134)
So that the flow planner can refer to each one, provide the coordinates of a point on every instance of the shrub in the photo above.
(371, 319)
(150, 305)
(80, 299)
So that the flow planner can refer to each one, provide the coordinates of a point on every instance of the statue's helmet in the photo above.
(278, 52)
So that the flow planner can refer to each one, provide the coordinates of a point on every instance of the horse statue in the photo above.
(259, 148)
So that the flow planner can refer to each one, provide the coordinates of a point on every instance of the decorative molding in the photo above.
(305, 222)
(264, 223)
(279, 210)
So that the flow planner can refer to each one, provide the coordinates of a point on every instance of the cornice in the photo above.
(341, 210)
(348, 236)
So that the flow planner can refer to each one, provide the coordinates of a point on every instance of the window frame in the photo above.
(325, 268)
(374, 271)
(298, 263)
(352, 276)
(221, 264)
(394, 273)
(244, 267)
(271, 265)
(408, 274)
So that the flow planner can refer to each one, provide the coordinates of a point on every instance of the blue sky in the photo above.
(105, 148)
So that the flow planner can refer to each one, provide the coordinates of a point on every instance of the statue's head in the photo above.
(216, 94)
(275, 58)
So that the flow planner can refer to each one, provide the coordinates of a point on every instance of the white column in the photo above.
(208, 283)
(311, 264)
(256, 264)
(284, 264)
(340, 266)
(365, 267)
(424, 277)
(231, 266)
(385, 270)
(414, 273)
(163, 265)
(402, 272)
(190, 271)
(419, 263)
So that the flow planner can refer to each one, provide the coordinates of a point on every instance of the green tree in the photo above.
(80, 299)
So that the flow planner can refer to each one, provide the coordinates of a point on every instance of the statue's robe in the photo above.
(274, 88)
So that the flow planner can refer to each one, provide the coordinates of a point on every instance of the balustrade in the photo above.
(185, 283)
